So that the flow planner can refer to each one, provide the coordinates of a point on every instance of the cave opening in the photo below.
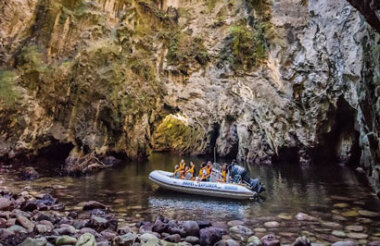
(213, 137)
(56, 151)
(51, 158)
(287, 154)
(341, 143)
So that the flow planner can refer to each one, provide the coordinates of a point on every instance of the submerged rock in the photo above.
(29, 173)
(270, 240)
(90, 205)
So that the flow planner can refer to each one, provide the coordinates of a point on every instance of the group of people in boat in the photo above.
(183, 171)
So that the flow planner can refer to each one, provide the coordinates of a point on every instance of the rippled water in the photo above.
(290, 189)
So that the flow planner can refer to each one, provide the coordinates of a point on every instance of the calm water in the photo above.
(290, 189)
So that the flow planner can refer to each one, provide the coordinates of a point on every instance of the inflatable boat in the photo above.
(167, 181)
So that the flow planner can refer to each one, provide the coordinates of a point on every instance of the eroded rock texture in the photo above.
(260, 80)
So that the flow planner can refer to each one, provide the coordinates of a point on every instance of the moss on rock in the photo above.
(8, 92)
(245, 47)
(185, 51)
(175, 134)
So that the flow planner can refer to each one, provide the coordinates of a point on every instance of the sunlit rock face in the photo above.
(259, 81)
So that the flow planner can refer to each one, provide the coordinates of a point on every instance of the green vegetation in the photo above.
(245, 48)
(174, 134)
(30, 58)
(149, 6)
(184, 50)
(259, 5)
(8, 93)
(211, 4)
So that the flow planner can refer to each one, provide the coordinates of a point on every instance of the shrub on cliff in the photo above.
(8, 93)
(245, 47)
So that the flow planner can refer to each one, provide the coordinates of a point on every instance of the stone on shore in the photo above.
(271, 224)
(25, 222)
(270, 240)
(35, 242)
(228, 242)
(357, 235)
(192, 240)
(302, 241)
(305, 217)
(253, 241)
(175, 238)
(126, 239)
(191, 228)
(210, 235)
(149, 238)
(5, 203)
(367, 213)
(65, 240)
(86, 239)
(345, 243)
(235, 223)
(242, 230)
(354, 228)
(338, 233)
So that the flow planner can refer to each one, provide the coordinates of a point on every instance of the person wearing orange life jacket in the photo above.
(203, 173)
(209, 170)
(224, 173)
(189, 174)
(183, 173)
(182, 164)
(176, 171)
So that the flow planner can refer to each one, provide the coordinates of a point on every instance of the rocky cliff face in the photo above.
(259, 80)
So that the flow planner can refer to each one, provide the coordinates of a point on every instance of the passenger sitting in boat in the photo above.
(209, 170)
(183, 174)
(190, 171)
(182, 165)
(224, 173)
(203, 173)
(176, 171)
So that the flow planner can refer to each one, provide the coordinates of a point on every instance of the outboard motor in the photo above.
(240, 174)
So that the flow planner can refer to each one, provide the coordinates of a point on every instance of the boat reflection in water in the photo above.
(185, 206)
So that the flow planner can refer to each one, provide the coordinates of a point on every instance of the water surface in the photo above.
(290, 189)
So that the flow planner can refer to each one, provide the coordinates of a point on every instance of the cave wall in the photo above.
(251, 78)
